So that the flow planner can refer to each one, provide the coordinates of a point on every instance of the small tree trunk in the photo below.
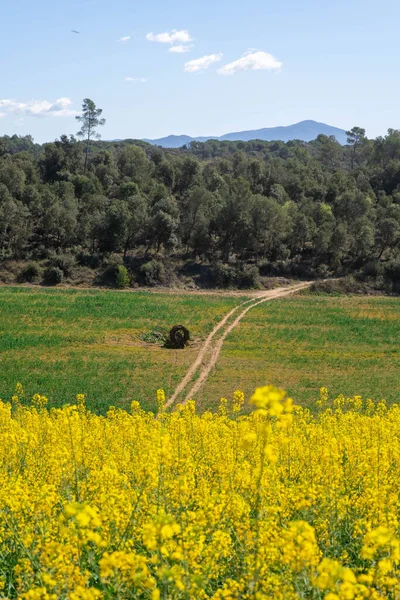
(353, 155)
(87, 146)
(86, 155)
(126, 246)
(148, 249)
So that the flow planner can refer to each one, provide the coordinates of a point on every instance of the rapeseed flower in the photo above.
(279, 503)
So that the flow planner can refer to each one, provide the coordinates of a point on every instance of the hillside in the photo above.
(305, 131)
(216, 214)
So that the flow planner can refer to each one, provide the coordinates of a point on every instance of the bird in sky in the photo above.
(74, 31)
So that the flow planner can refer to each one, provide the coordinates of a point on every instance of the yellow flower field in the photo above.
(278, 504)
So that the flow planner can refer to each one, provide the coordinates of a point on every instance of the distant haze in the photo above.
(305, 131)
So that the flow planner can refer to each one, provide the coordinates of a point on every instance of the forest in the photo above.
(137, 213)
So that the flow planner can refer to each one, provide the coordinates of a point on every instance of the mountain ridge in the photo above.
(304, 130)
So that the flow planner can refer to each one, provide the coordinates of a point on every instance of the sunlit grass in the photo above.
(305, 341)
(64, 342)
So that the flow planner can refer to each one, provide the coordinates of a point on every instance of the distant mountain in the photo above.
(305, 131)
(177, 141)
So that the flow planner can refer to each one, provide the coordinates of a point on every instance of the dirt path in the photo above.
(211, 348)
(151, 290)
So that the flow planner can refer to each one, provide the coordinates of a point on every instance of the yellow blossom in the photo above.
(279, 503)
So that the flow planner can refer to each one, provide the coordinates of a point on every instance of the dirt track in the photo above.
(211, 348)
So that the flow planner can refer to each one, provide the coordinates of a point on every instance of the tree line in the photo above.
(314, 209)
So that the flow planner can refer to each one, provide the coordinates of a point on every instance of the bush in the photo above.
(29, 273)
(93, 261)
(116, 275)
(322, 271)
(371, 270)
(65, 262)
(337, 287)
(122, 279)
(225, 276)
(392, 276)
(279, 268)
(264, 267)
(39, 252)
(153, 273)
(154, 337)
(222, 275)
(248, 277)
(53, 276)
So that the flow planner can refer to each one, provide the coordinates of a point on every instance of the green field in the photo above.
(349, 344)
(63, 342)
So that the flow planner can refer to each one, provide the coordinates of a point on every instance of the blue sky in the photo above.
(339, 64)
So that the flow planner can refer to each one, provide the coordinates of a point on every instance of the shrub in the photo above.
(336, 287)
(264, 267)
(248, 277)
(122, 279)
(222, 275)
(279, 268)
(29, 273)
(392, 275)
(93, 261)
(153, 273)
(65, 262)
(322, 271)
(371, 270)
(154, 337)
(53, 276)
(116, 275)
(39, 252)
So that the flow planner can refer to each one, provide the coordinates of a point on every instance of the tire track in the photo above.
(193, 368)
(213, 347)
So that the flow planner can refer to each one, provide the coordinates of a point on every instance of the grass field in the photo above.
(349, 344)
(64, 342)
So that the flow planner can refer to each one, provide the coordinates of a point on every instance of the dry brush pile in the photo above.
(276, 504)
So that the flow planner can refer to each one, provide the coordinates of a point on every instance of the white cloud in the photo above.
(170, 37)
(180, 49)
(252, 60)
(200, 64)
(136, 79)
(39, 108)
(124, 39)
(2, 115)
